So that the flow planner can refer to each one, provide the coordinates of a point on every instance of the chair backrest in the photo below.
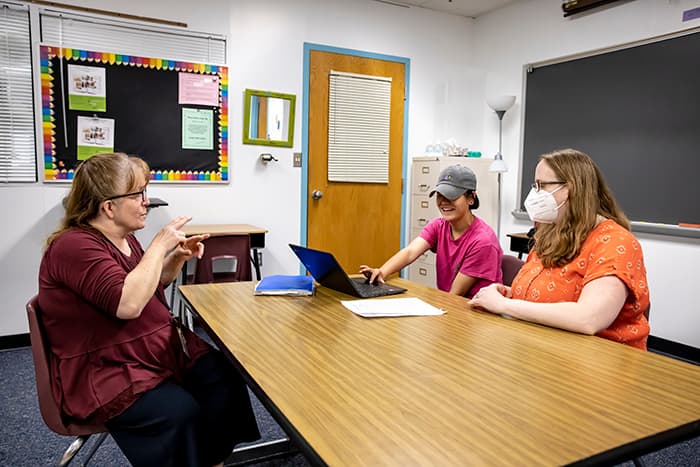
(50, 411)
(510, 265)
(233, 248)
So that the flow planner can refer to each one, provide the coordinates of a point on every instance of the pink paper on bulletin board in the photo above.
(198, 89)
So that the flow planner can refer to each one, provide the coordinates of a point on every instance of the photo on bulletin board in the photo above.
(172, 114)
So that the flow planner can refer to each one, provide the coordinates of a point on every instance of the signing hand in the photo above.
(170, 236)
(192, 246)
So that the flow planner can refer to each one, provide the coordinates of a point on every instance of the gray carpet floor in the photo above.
(26, 441)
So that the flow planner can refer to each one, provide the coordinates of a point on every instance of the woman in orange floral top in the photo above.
(585, 272)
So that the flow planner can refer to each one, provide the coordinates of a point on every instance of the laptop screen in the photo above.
(327, 271)
(324, 268)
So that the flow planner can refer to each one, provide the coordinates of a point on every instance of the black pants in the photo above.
(196, 423)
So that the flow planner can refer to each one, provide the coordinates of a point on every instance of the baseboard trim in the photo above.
(674, 349)
(14, 341)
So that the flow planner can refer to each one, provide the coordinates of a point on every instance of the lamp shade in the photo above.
(498, 165)
(501, 103)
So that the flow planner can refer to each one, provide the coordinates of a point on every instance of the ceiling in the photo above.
(468, 8)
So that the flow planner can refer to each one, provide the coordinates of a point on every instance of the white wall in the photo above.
(266, 52)
(535, 30)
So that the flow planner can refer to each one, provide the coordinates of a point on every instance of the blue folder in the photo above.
(285, 285)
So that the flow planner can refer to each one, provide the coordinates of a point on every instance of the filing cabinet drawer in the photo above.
(423, 210)
(424, 175)
(422, 273)
(419, 223)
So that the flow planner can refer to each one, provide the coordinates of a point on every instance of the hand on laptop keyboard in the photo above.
(374, 275)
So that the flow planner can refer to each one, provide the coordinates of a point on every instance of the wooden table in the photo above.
(257, 237)
(463, 388)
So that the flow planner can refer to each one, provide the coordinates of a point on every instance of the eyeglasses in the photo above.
(142, 194)
(538, 185)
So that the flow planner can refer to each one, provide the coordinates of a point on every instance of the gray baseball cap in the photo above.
(455, 181)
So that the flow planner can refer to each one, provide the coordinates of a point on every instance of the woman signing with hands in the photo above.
(117, 356)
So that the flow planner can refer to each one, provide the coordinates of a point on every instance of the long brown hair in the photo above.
(96, 179)
(559, 243)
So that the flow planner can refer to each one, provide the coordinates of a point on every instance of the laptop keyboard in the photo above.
(368, 290)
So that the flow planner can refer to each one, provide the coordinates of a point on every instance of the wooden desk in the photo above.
(520, 243)
(257, 237)
(464, 388)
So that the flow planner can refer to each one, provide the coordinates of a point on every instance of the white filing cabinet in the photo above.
(424, 175)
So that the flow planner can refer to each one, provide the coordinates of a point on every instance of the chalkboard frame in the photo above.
(173, 164)
(664, 172)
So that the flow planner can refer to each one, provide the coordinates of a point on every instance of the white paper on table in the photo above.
(391, 307)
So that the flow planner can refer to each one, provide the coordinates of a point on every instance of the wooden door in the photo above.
(360, 223)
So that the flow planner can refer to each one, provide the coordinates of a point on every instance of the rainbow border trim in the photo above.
(47, 52)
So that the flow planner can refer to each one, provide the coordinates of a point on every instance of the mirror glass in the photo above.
(268, 118)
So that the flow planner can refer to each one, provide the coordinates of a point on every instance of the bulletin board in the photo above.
(144, 106)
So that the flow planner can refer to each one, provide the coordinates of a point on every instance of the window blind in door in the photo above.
(358, 128)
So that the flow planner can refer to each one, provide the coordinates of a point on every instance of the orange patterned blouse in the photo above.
(609, 250)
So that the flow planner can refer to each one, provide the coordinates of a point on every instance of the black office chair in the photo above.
(50, 411)
(510, 265)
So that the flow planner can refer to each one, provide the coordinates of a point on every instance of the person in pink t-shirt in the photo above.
(468, 255)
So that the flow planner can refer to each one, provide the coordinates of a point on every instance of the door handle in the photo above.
(317, 194)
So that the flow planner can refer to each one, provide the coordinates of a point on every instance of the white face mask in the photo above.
(541, 206)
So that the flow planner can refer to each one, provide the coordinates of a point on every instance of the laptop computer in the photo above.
(326, 271)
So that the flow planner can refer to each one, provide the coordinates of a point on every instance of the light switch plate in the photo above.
(296, 162)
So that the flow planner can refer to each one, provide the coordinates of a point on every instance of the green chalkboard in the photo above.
(636, 112)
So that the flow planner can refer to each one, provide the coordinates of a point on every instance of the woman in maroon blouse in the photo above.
(118, 356)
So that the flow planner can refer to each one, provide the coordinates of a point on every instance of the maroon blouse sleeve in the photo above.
(89, 264)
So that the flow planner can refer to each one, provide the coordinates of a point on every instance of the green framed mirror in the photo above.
(268, 118)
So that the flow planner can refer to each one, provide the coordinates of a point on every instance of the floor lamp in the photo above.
(499, 105)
